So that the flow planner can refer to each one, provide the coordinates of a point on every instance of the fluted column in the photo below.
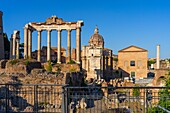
(49, 46)
(25, 43)
(17, 48)
(11, 45)
(59, 47)
(69, 45)
(39, 46)
(29, 43)
(13, 48)
(78, 43)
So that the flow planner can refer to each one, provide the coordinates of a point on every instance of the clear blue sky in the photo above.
(144, 23)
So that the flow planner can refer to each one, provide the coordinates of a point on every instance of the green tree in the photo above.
(151, 62)
(164, 100)
(115, 59)
(136, 92)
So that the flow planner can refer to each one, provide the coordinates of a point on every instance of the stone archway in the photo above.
(161, 81)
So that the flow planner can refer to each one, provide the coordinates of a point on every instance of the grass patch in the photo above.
(13, 62)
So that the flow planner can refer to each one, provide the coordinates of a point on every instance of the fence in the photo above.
(59, 98)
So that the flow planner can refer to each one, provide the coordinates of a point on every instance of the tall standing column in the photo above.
(78, 43)
(49, 46)
(39, 46)
(11, 45)
(69, 45)
(17, 48)
(25, 43)
(158, 57)
(14, 47)
(59, 47)
(29, 43)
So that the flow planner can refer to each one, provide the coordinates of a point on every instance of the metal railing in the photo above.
(117, 100)
(38, 98)
(30, 98)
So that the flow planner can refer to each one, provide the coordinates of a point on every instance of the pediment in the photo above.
(132, 49)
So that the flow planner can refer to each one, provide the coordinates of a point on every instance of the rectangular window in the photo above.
(132, 63)
(133, 74)
(139, 63)
(126, 63)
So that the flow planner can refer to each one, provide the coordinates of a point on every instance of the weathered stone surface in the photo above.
(28, 109)
(3, 64)
(37, 71)
(74, 78)
(66, 67)
(83, 104)
(21, 66)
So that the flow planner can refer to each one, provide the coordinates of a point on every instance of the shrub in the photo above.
(13, 61)
(115, 59)
(71, 62)
(72, 70)
(136, 92)
(26, 62)
(49, 66)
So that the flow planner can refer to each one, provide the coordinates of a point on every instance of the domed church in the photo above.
(96, 59)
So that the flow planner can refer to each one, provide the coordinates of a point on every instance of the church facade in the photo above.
(96, 59)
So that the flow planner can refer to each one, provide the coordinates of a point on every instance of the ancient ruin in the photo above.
(52, 23)
(1, 38)
(14, 45)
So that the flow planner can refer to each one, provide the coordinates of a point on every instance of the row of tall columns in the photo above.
(28, 44)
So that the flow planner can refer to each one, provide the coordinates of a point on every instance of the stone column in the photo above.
(69, 45)
(25, 43)
(29, 43)
(49, 46)
(158, 57)
(39, 46)
(59, 47)
(11, 45)
(78, 43)
(17, 48)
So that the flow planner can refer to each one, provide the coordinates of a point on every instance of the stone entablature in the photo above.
(53, 23)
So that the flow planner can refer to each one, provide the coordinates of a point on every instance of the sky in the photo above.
(143, 23)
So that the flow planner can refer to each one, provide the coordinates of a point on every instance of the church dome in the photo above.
(96, 39)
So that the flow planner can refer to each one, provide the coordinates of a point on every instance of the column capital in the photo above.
(49, 30)
(69, 30)
(39, 30)
(59, 30)
(31, 30)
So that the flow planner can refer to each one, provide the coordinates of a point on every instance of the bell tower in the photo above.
(1, 38)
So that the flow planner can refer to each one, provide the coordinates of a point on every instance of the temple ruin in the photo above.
(52, 23)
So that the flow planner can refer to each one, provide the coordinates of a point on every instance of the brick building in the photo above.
(53, 54)
(132, 61)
